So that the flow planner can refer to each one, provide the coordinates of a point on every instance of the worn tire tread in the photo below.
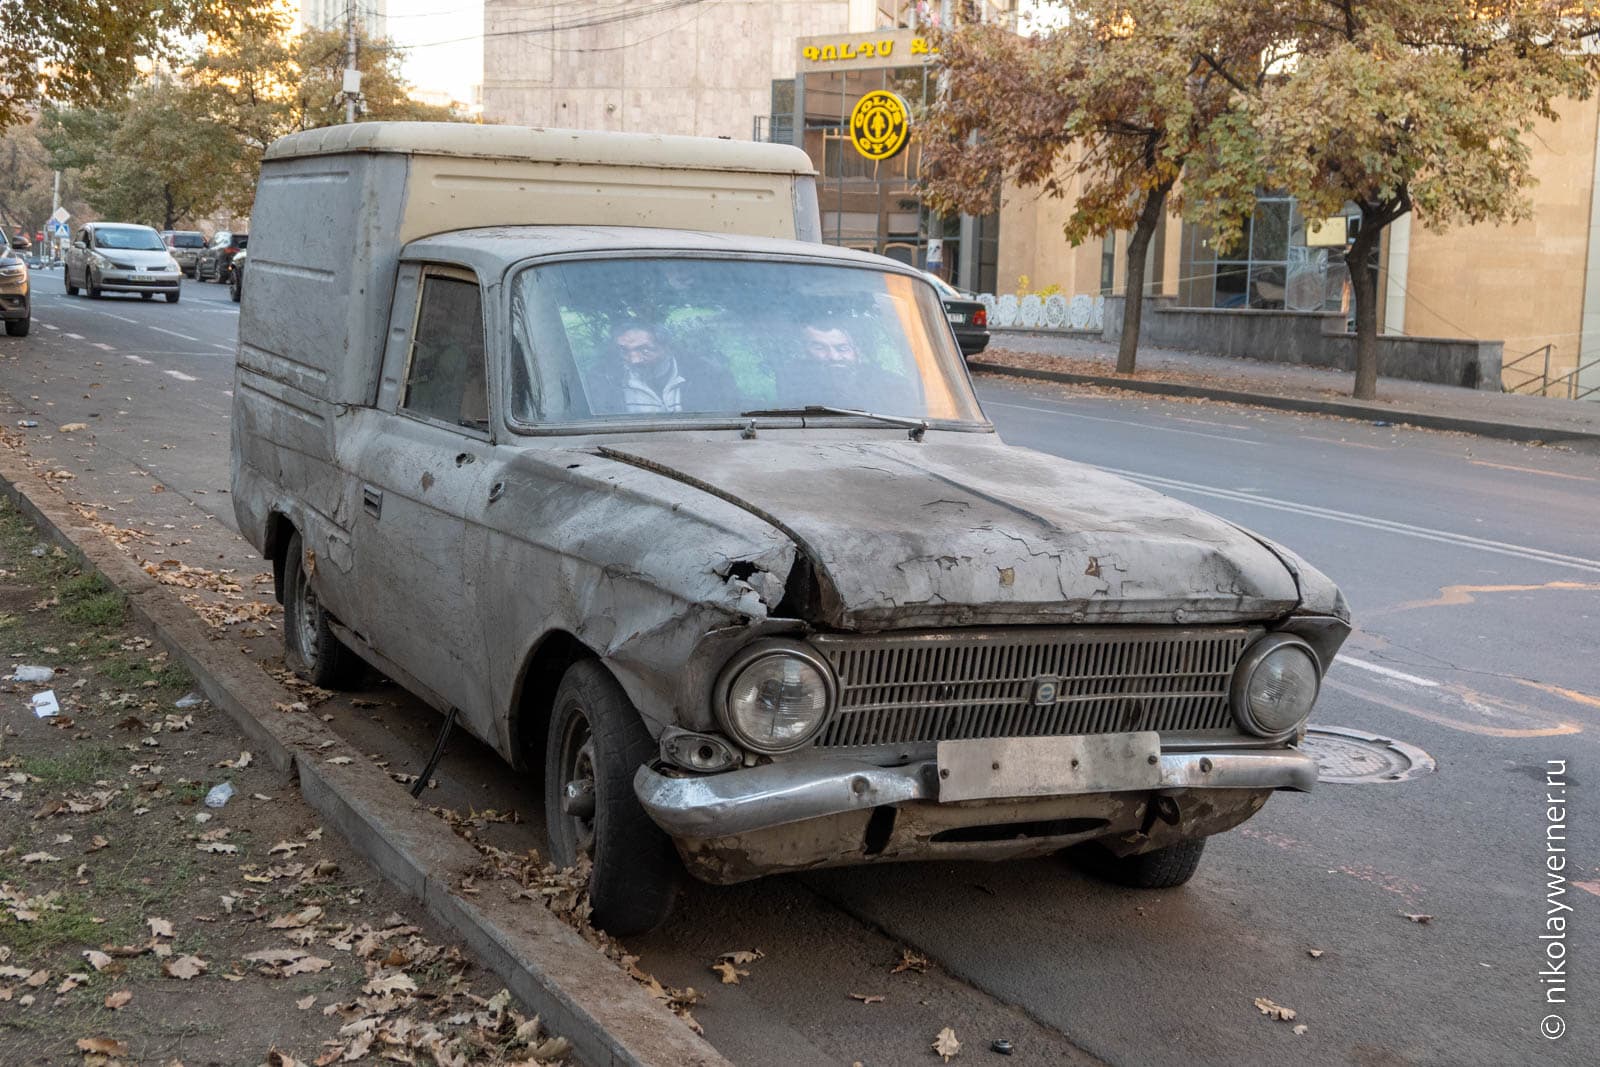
(1163, 868)
(636, 874)
(336, 667)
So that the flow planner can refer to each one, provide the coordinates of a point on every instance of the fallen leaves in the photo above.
(911, 961)
(40, 857)
(118, 1000)
(729, 964)
(296, 919)
(159, 927)
(104, 1046)
(868, 998)
(97, 959)
(1421, 920)
(1274, 1011)
(287, 962)
(184, 967)
(946, 1045)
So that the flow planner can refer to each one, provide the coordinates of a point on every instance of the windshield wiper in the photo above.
(918, 427)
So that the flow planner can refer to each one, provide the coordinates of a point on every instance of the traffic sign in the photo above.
(61, 215)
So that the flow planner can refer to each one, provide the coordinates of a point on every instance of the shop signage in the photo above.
(880, 49)
(880, 125)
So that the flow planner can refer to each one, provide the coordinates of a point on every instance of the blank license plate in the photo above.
(1049, 766)
(957, 319)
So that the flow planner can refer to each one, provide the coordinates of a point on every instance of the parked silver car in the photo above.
(118, 257)
(185, 246)
(711, 531)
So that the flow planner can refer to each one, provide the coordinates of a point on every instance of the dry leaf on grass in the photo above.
(305, 1002)
(39, 857)
(159, 928)
(97, 959)
(217, 847)
(946, 1045)
(743, 956)
(297, 919)
(118, 1000)
(1420, 919)
(184, 967)
(1300, 1028)
(867, 998)
(104, 1045)
(390, 983)
(70, 982)
(1314, 953)
(340, 761)
(279, 1058)
(1274, 1011)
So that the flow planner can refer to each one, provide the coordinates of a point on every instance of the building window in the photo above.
(1269, 267)
(1108, 264)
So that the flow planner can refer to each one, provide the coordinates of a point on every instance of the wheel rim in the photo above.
(306, 619)
(576, 794)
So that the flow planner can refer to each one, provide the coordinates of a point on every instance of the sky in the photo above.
(430, 32)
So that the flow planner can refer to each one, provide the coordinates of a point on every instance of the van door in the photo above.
(422, 472)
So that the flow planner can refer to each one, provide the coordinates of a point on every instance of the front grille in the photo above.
(910, 688)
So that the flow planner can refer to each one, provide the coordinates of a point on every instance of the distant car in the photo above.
(236, 275)
(967, 315)
(185, 246)
(16, 302)
(216, 258)
(119, 257)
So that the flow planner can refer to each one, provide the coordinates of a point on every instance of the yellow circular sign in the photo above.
(880, 125)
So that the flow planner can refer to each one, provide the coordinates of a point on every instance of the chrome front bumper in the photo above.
(130, 281)
(759, 798)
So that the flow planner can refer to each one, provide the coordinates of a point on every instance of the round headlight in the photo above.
(775, 695)
(1275, 685)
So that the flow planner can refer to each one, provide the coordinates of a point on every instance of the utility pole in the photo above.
(352, 76)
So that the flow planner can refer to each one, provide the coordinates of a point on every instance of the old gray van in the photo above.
(588, 442)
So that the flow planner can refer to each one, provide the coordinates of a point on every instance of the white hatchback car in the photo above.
(117, 257)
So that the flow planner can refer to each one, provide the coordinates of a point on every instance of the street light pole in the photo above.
(350, 74)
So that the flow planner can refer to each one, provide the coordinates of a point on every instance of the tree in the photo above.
(27, 182)
(151, 159)
(86, 53)
(1401, 106)
(319, 56)
(1114, 106)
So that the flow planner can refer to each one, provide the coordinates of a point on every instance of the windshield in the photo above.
(944, 287)
(188, 240)
(670, 337)
(133, 239)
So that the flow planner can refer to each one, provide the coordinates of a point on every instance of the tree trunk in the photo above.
(1364, 287)
(1150, 217)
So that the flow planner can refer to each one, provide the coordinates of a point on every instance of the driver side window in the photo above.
(446, 377)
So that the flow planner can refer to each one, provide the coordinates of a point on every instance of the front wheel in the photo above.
(235, 286)
(1162, 868)
(19, 327)
(66, 275)
(172, 297)
(309, 644)
(596, 744)
(92, 285)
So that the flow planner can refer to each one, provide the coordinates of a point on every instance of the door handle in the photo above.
(372, 501)
(496, 491)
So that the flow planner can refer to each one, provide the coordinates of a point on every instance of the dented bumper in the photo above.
(778, 794)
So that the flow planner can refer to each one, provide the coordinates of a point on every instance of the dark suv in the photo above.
(216, 259)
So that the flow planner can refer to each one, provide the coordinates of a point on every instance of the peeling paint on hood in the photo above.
(964, 531)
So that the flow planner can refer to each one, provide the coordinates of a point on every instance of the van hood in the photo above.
(136, 258)
(940, 533)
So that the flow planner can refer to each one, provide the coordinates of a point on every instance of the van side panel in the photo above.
(458, 193)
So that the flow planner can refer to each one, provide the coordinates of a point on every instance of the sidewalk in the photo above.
(1090, 361)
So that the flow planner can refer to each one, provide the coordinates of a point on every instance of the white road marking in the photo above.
(1526, 552)
(47, 326)
(227, 392)
(225, 348)
(109, 315)
(178, 374)
(174, 333)
(76, 336)
(139, 359)
(1122, 422)
(1389, 672)
(102, 346)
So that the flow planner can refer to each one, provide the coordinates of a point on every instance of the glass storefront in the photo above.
(1269, 268)
(873, 205)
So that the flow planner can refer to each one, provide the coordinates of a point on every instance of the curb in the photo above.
(1542, 435)
(582, 996)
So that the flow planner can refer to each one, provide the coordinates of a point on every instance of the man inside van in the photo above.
(833, 371)
(650, 382)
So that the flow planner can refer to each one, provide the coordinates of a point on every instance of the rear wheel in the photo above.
(19, 327)
(309, 644)
(596, 744)
(1163, 868)
(235, 286)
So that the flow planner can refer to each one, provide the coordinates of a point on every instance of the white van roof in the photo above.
(468, 140)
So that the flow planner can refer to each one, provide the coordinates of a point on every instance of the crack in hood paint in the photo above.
(957, 533)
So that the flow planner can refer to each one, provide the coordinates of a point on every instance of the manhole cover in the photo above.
(1348, 756)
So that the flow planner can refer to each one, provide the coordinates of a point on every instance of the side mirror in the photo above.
(21, 243)
(78, 243)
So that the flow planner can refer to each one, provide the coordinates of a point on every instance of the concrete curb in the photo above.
(580, 994)
(1547, 435)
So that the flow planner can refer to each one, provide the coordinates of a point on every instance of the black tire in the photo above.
(597, 739)
(172, 297)
(66, 276)
(309, 646)
(89, 283)
(235, 286)
(1164, 868)
(19, 327)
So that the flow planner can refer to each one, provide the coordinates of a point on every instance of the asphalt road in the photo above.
(1472, 567)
